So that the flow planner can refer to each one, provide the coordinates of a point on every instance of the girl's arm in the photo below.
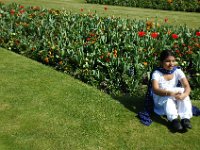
(162, 92)
(187, 88)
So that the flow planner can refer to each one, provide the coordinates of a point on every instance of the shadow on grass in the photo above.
(136, 104)
(132, 103)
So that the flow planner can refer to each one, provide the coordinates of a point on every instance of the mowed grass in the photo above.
(42, 109)
(175, 18)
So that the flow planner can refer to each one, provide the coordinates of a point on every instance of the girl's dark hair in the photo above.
(166, 53)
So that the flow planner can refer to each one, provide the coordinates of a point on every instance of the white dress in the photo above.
(167, 105)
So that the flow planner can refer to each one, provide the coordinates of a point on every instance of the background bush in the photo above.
(177, 5)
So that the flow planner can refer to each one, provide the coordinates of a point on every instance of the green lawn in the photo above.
(42, 109)
(175, 18)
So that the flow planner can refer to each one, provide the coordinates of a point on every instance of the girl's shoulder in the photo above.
(179, 71)
(156, 74)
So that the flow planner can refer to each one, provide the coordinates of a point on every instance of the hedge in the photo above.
(176, 5)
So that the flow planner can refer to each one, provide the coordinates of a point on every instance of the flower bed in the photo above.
(177, 5)
(113, 54)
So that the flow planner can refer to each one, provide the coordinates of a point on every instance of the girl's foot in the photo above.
(176, 125)
(186, 123)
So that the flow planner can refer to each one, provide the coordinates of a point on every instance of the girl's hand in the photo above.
(174, 94)
(180, 96)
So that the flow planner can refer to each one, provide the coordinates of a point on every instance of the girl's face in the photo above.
(169, 63)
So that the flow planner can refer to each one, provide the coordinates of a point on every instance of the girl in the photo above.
(170, 100)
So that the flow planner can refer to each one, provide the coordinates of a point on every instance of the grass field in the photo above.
(175, 18)
(42, 109)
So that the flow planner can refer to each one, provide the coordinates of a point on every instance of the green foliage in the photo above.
(107, 52)
(177, 5)
(195, 77)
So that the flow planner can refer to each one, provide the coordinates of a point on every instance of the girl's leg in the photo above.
(172, 114)
(184, 108)
(170, 109)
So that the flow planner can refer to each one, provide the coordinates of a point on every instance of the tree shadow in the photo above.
(136, 104)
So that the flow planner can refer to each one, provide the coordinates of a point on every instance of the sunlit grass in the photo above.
(41, 108)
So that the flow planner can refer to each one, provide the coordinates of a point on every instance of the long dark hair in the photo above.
(166, 53)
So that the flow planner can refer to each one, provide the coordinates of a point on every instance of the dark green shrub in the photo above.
(176, 5)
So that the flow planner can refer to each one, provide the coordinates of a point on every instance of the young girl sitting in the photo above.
(170, 100)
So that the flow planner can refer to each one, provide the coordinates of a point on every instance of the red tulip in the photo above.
(198, 33)
(141, 33)
(177, 51)
(174, 36)
(12, 11)
(21, 6)
(154, 35)
(101, 56)
(21, 11)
